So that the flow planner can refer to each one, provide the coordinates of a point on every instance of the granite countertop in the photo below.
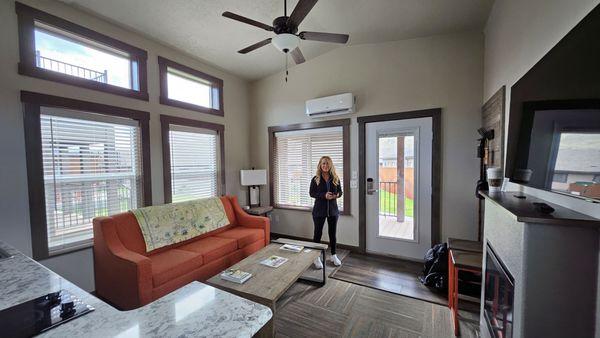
(526, 212)
(195, 310)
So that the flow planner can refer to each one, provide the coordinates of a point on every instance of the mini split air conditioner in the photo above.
(331, 105)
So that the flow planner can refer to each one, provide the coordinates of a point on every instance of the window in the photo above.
(295, 153)
(184, 87)
(192, 158)
(84, 160)
(55, 49)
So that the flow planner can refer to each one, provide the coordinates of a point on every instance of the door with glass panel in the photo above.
(398, 200)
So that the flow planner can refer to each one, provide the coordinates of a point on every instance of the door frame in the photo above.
(436, 166)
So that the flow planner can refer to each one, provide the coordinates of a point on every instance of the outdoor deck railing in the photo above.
(387, 203)
(70, 69)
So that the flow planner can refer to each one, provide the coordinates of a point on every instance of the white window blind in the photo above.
(92, 167)
(297, 154)
(194, 163)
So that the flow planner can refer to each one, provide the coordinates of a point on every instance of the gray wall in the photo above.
(440, 71)
(14, 206)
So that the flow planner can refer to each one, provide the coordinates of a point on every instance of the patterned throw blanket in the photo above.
(168, 224)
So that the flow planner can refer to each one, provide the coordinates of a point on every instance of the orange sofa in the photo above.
(128, 277)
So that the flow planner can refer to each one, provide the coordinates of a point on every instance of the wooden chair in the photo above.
(463, 255)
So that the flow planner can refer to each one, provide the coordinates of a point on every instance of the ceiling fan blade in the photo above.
(297, 56)
(300, 12)
(325, 37)
(255, 46)
(246, 20)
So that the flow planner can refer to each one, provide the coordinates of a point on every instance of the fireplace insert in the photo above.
(498, 296)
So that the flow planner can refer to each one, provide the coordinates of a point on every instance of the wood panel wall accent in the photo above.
(215, 83)
(165, 122)
(33, 102)
(345, 124)
(492, 118)
(27, 16)
(436, 169)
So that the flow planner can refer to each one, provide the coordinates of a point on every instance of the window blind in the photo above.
(92, 167)
(194, 163)
(297, 154)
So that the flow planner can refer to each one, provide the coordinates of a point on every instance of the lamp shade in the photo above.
(253, 177)
(285, 42)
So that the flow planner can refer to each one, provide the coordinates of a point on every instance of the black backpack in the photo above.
(435, 270)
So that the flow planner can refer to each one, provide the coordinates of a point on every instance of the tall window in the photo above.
(192, 157)
(58, 50)
(91, 165)
(184, 87)
(295, 155)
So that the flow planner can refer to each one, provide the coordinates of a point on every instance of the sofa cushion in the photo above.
(173, 263)
(211, 248)
(243, 235)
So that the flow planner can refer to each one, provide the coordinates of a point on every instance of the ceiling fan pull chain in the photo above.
(286, 67)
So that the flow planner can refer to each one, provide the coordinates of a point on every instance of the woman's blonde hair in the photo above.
(332, 172)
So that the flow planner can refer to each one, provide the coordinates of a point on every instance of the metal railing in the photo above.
(70, 69)
(388, 204)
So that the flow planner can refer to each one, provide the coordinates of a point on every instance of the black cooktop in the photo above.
(41, 314)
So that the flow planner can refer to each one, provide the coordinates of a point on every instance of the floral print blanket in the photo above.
(168, 224)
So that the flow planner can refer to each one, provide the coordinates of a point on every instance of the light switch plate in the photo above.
(354, 175)
(353, 184)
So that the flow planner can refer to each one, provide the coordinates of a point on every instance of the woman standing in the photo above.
(326, 188)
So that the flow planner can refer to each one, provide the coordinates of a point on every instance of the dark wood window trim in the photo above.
(32, 103)
(216, 84)
(345, 124)
(27, 65)
(165, 122)
(436, 169)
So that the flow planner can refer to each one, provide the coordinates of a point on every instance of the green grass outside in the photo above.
(387, 203)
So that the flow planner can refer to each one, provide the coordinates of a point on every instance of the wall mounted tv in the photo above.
(554, 124)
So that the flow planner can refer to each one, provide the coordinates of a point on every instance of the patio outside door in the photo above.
(398, 199)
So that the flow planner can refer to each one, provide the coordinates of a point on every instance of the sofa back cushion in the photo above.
(131, 236)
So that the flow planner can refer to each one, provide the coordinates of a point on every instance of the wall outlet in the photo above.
(353, 184)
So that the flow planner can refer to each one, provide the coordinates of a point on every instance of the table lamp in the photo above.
(253, 179)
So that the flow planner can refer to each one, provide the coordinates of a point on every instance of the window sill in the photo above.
(49, 75)
(184, 105)
(74, 248)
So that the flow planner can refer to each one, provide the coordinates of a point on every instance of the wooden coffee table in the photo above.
(267, 284)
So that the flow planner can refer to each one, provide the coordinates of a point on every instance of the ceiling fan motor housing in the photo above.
(280, 25)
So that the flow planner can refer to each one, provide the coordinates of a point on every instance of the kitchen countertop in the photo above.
(195, 310)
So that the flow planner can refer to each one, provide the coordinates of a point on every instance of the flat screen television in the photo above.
(554, 121)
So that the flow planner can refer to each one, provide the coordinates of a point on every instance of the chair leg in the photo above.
(455, 303)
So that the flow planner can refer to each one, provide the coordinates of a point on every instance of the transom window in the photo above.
(184, 87)
(295, 155)
(192, 152)
(54, 49)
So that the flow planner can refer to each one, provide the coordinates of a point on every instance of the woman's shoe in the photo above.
(318, 263)
(336, 261)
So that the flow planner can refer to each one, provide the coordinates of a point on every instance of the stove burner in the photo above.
(41, 314)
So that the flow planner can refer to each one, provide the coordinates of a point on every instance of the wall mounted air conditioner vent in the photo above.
(331, 105)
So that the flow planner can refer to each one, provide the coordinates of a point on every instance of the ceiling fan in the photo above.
(285, 27)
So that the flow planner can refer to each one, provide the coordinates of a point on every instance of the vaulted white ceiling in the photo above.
(197, 27)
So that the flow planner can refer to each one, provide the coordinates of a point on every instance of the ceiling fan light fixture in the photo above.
(285, 42)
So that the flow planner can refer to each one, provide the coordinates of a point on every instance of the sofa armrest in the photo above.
(123, 277)
(250, 221)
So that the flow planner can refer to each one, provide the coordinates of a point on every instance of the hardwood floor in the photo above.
(393, 275)
(342, 309)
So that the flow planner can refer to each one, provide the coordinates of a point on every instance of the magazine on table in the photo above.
(274, 261)
(291, 247)
(236, 275)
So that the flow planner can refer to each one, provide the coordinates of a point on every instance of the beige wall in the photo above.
(440, 71)
(517, 35)
(14, 223)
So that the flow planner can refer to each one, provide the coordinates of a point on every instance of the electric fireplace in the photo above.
(498, 296)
